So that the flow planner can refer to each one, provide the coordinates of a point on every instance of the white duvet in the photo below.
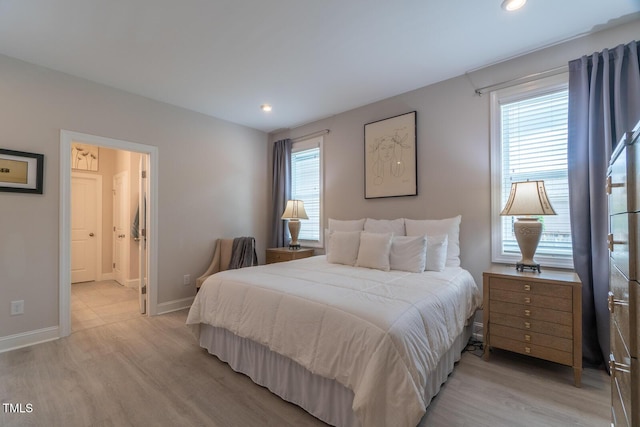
(378, 333)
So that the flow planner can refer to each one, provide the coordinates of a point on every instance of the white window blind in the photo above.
(533, 145)
(305, 186)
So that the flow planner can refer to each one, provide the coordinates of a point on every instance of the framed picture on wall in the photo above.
(84, 157)
(21, 172)
(390, 165)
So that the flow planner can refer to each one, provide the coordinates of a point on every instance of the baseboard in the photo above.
(132, 283)
(175, 305)
(477, 331)
(26, 339)
(107, 276)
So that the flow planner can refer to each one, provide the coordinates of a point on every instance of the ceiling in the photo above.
(309, 59)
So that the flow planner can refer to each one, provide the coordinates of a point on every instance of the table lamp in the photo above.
(294, 212)
(528, 198)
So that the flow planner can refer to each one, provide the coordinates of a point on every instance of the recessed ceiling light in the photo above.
(265, 107)
(511, 5)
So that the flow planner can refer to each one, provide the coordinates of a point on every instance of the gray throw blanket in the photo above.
(243, 253)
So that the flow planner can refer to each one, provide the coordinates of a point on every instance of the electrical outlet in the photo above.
(17, 307)
(186, 280)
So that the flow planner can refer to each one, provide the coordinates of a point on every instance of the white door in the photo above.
(84, 190)
(142, 226)
(121, 227)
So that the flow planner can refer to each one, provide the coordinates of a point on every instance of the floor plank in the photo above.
(140, 371)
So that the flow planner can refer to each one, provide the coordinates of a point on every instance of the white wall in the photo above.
(453, 146)
(212, 183)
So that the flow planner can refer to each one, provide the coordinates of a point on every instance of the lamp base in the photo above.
(293, 247)
(533, 267)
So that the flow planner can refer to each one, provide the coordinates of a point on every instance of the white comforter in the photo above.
(378, 333)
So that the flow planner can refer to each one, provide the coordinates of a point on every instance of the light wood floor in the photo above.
(98, 303)
(142, 371)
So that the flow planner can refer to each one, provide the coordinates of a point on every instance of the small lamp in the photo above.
(294, 212)
(528, 198)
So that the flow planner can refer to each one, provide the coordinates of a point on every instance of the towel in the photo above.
(243, 253)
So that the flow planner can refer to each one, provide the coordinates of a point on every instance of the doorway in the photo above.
(144, 259)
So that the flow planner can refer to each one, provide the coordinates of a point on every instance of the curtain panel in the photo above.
(281, 191)
(604, 103)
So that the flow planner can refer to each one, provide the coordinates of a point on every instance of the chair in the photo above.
(230, 254)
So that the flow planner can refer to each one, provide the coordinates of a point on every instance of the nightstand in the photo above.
(286, 254)
(537, 314)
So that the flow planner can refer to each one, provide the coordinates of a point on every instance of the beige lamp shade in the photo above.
(294, 212)
(528, 198)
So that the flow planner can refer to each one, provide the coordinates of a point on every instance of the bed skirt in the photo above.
(323, 398)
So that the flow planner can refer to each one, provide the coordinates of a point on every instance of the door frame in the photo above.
(98, 181)
(66, 138)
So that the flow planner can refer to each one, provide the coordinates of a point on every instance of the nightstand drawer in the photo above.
(566, 358)
(530, 287)
(533, 338)
(274, 255)
(527, 312)
(532, 325)
(532, 299)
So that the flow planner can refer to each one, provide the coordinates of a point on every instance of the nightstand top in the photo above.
(287, 250)
(546, 274)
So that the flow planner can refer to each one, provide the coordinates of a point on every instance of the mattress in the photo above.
(379, 334)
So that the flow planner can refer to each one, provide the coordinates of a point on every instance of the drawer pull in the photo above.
(527, 288)
(612, 302)
(527, 338)
(527, 325)
(611, 242)
(611, 184)
(617, 367)
(527, 300)
(527, 313)
(527, 350)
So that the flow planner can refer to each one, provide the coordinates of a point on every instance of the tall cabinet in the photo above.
(623, 188)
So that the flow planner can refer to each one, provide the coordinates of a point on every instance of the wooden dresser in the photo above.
(623, 188)
(286, 254)
(537, 314)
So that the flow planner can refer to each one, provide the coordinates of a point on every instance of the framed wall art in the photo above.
(21, 172)
(84, 157)
(390, 168)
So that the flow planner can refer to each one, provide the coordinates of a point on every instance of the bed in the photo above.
(362, 336)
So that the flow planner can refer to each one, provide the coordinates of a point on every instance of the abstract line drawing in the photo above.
(84, 157)
(390, 157)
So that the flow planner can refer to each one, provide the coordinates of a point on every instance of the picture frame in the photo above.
(390, 157)
(21, 172)
(84, 157)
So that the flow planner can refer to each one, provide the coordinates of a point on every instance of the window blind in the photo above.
(534, 147)
(305, 186)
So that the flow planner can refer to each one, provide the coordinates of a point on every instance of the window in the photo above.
(306, 185)
(529, 142)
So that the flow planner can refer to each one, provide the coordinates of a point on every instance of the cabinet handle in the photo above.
(527, 313)
(527, 325)
(611, 242)
(611, 184)
(527, 300)
(527, 350)
(527, 288)
(612, 302)
(527, 338)
(617, 367)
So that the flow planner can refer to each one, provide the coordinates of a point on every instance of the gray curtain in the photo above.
(604, 103)
(281, 191)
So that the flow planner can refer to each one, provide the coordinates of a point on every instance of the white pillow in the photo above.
(408, 253)
(343, 247)
(434, 227)
(395, 226)
(374, 250)
(348, 225)
(436, 252)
